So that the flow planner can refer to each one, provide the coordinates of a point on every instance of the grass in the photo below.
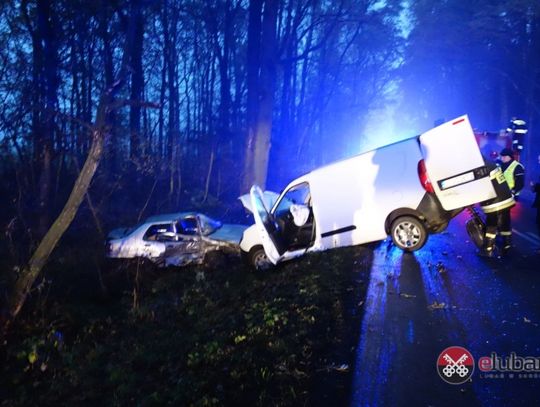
(136, 335)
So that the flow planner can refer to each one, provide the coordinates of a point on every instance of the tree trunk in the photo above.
(170, 33)
(29, 273)
(44, 77)
(113, 145)
(137, 80)
(261, 89)
(252, 67)
(267, 94)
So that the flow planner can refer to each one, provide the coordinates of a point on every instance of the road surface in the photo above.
(419, 304)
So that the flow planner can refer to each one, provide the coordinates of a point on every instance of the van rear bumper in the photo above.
(434, 215)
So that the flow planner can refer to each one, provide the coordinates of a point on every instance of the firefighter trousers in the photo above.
(498, 221)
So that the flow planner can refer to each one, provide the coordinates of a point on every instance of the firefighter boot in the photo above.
(507, 244)
(488, 247)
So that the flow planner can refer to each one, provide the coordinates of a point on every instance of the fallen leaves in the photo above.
(436, 305)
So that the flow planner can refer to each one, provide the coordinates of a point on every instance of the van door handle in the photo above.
(147, 245)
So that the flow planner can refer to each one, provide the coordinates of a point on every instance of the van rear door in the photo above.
(455, 165)
(266, 226)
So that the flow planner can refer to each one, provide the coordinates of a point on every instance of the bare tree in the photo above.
(261, 89)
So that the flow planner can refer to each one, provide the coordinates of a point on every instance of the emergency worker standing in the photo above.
(518, 129)
(497, 212)
(514, 172)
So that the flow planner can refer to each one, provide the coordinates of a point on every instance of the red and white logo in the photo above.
(455, 365)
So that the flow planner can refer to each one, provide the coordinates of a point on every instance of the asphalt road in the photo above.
(417, 305)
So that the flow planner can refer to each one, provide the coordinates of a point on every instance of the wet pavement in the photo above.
(417, 305)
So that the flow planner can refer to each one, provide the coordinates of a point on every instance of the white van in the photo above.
(406, 190)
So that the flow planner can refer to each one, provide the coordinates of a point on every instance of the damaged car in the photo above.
(176, 239)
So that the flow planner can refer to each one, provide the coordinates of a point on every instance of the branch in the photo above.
(126, 102)
(90, 127)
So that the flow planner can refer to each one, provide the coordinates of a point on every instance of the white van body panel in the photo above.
(354, 210)
(352, 199)
(362, 191)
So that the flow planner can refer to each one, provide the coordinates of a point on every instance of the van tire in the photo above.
(256, 259)
(408, 233)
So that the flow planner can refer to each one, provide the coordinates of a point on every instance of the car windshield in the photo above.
(208, 225)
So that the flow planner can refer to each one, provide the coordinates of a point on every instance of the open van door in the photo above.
(266, 226)
(455, 165)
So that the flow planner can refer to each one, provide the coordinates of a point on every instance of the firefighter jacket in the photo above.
(504, 199)
(514, 172)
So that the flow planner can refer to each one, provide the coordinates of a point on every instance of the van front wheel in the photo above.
(408, 233)
(256, 258)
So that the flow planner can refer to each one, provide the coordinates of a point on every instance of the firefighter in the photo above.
(518, 129)
(497, 212)
(513, 170)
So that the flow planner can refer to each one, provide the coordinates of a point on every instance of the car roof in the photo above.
(169, 217)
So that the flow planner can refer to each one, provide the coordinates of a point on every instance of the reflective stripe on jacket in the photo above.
(509, 175)
(504, 198)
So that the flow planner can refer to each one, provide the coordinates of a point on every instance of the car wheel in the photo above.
(408, 233)
(476, 230)
(257, 259)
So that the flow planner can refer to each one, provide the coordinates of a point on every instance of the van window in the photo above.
(293, 234)
(298, 194)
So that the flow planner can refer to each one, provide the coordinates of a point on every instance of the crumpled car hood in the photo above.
(229, 233)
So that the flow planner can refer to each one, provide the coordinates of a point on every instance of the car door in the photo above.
(266, 226)
(455, 165)
(182, 250)
(182, 245)
(153, 245)
(188, 238)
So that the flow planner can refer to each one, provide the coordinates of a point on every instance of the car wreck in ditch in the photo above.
(176, 239)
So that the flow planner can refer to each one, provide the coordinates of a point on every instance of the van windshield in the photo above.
(298, 194)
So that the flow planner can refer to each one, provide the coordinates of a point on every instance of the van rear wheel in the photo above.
(408, 233)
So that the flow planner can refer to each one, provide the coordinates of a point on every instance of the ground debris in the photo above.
(436, 305)
(440, 268)
(342, 368)
(405, 295)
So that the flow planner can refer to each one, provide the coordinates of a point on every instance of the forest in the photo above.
(114, 110)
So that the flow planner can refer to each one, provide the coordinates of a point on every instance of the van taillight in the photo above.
(423, 176)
